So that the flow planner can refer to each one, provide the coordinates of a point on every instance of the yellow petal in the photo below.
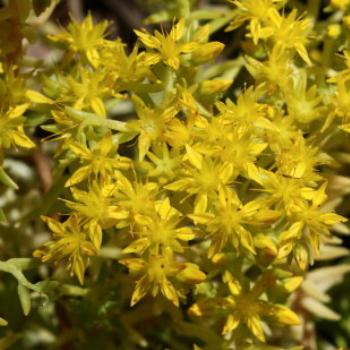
(177, 31)
(95, 234)
(226, 171)
(205, 52)
(303, 53)
(209, 87)
(54, 226)
(79, 150)
(18, 110)
(144, 143)
(201, 218)
(301, 256)
(106, 144)
(195, 310)
(134, 265)
(141, 289)
(292, 283)
(173, 62)
(293, 232)
(148, 40)
(179, 185)
(169, 292)
(137, 246)
(37, 97)
(266, 244)
(80, 175)
(185, 234)
(116, 213)
(194, 157)
(267, 216)
(22, 140)
(233, 284)
(285, 249)
(191, 274)
(93, 57)
(78, 268)
(284, 315)
(201, 203)
(231, 324)
(164, 209)
(98, 106)
(253, 323)
(246, 240)
(332, 218)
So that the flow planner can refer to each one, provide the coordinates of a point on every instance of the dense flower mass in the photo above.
(210, 193)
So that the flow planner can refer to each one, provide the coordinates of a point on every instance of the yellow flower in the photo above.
(277, 70)
(203, 177)
(257, 13)
(160, 232)
(310, 223)
(246, 113)
(284, 192)
(136, 197)
(85, 38)
(12, 88)
(291, 32)
(97, 207)
(11, 128)
(151, 124)
(247, 307)
(87, 90)
(96, 161)
(227, 223)
(127, 69)
(341, 96)
(156, 271)
(169, 46)
(299, 161)
(305, 105)
(242, 150)
(164, 162)
(70, 243)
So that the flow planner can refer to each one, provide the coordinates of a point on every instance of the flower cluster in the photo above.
(213, 194)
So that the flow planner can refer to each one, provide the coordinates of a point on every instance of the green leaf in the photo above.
(37, 119)
(24, 263)
(24, 297)
(3, 219)
(6, 180)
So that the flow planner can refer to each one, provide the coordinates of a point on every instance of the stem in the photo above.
(313, 8)
(6, 266)
(184, 8)
(94, 120)
(221, 22)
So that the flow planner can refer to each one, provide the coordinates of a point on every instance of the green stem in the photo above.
(94, 120)
(217, 24)
(184, 8)
(6, 266)
(313, 8)
(66, 289)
